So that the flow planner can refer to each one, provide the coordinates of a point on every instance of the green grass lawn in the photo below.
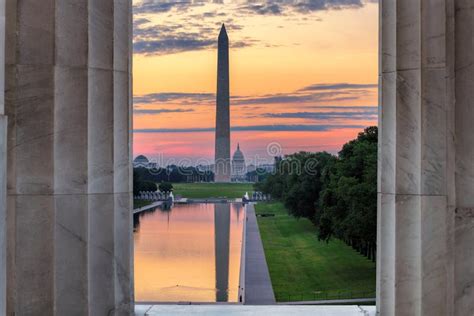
(303, 268)
(140, 203)
(211, 190)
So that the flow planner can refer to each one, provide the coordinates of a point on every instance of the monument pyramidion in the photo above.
(222, 168)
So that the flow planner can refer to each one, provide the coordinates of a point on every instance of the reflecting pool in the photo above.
(188, 253)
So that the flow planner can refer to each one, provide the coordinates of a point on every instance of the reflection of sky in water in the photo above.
(175, 253)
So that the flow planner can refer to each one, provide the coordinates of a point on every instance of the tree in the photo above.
(338, 193)
(147, 186)
(296, 181)
(140, 184)
(347, 208)
(165, 187)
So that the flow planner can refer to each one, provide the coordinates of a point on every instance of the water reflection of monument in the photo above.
(221, 245)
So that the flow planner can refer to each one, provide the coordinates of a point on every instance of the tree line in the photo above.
(338, 193)
(145, 179)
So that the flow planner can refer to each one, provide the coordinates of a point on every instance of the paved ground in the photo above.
(147, 207)
(258, 286)
(273, 310)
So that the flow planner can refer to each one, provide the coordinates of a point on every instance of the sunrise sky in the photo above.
(303, 74)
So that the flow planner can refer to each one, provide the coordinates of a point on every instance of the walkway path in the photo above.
(147, 207)
(258, 286)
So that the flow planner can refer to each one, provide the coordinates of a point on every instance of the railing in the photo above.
(324, 296)
(152, 196)
(259, 196)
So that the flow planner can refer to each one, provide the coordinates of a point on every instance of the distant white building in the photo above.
(267, 167)
(251, 168)
(205, 168)
(143, 162)
(239, 169)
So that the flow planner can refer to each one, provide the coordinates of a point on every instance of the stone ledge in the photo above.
(275, 310)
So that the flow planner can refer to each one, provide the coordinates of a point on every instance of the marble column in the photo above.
(3, 168)
(68, 97)
(464, 160)
(426, 158)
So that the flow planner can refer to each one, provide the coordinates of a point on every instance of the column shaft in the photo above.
(3, 169)
(413, 208)
(123, 172)
(70, 157)
(464, 149)
(30, 103)
(69, 225)
(101, 158)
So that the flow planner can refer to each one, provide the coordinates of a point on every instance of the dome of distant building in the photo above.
(238, 165)
(238, 155)
(143, 162)
(141, 159)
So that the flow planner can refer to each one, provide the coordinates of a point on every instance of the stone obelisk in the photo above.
(222, 169)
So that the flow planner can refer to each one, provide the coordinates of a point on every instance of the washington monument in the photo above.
(222, 169)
